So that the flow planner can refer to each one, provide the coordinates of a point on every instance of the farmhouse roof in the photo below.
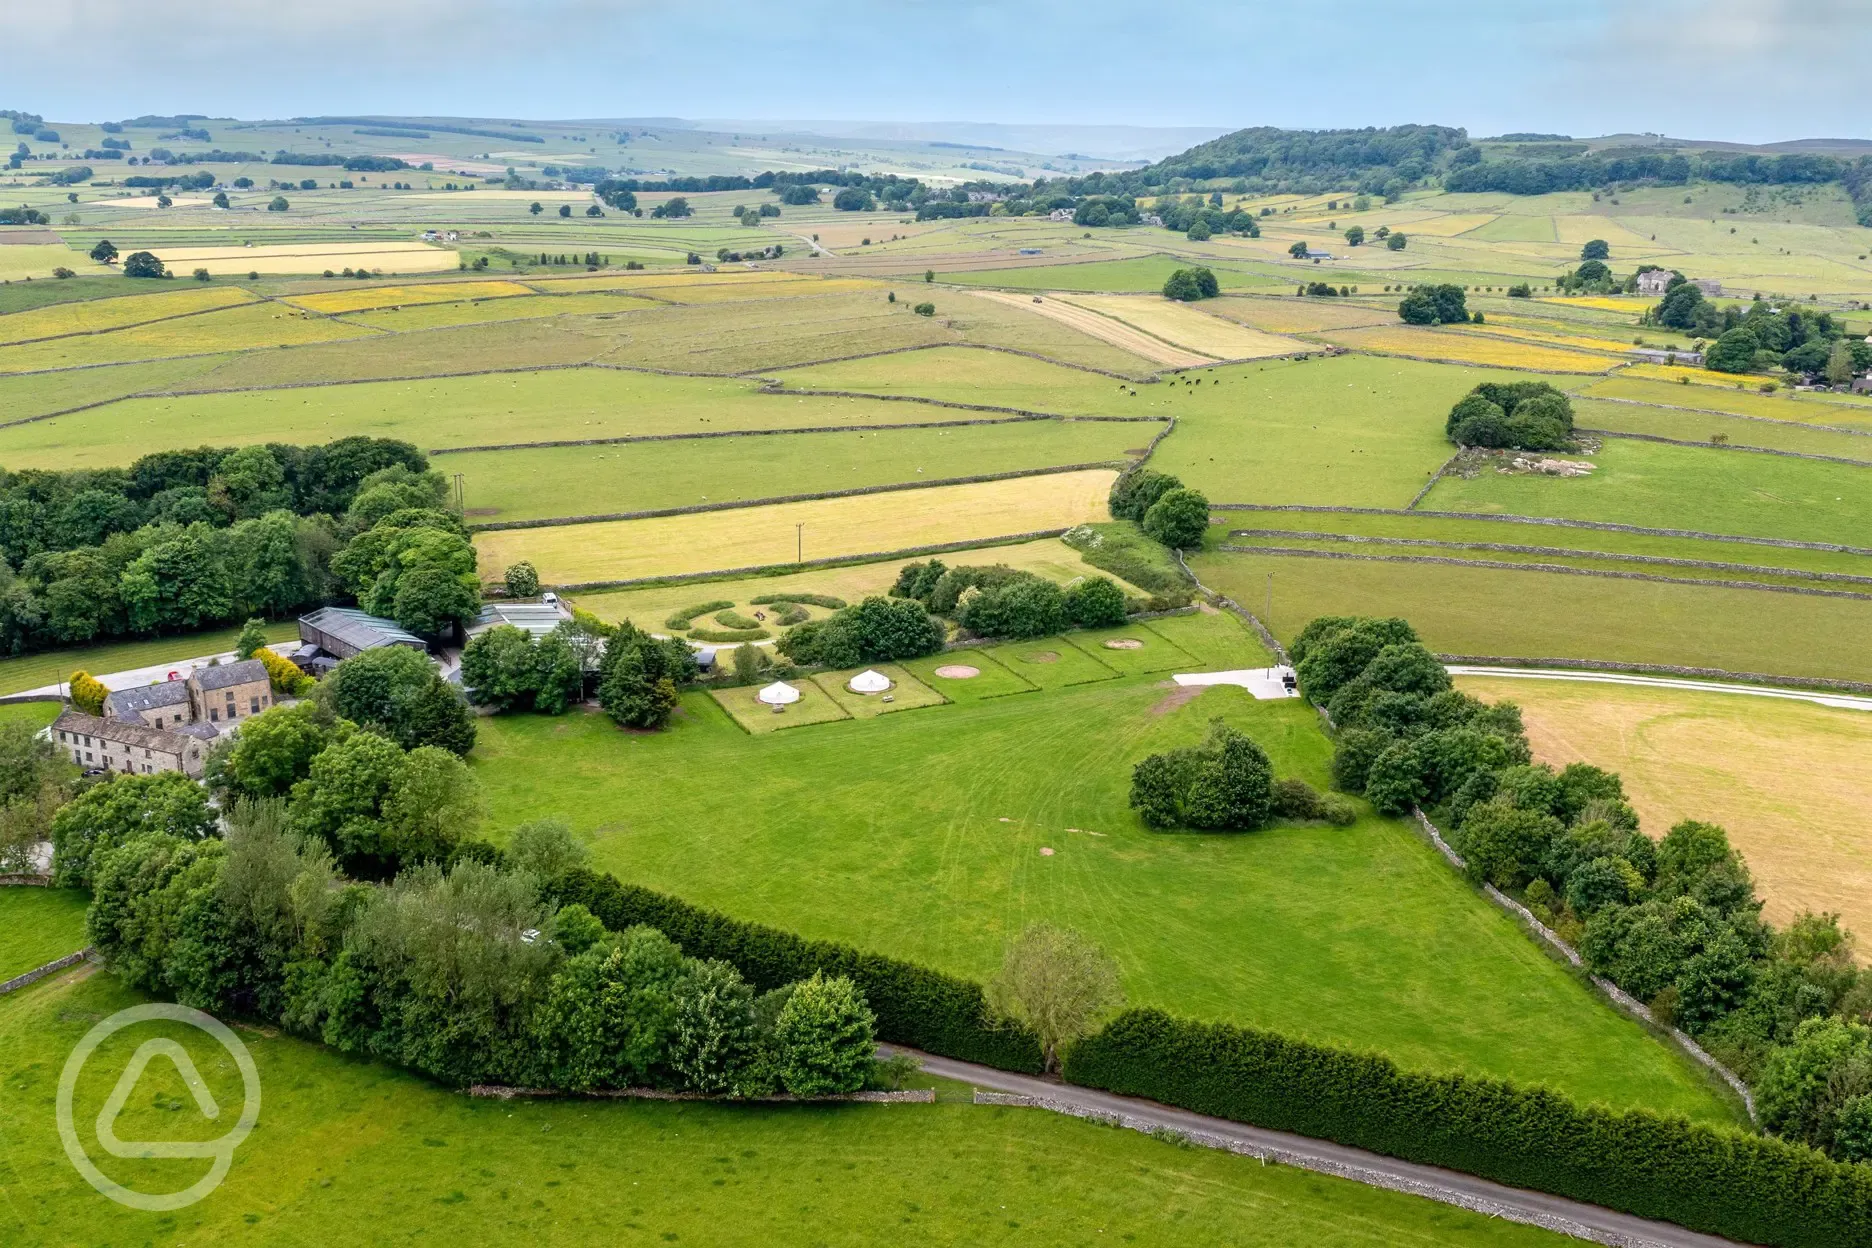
(126, 703)
(778, 694)
(227, 675)
(140, 735)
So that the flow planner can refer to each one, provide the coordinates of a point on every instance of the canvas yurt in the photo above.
(779, 694)
(869, 681)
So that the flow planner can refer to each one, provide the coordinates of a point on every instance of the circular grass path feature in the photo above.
(1124, 643)
(1041, 656)
(958, 671)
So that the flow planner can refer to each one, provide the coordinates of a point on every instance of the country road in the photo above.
(1554, 1213)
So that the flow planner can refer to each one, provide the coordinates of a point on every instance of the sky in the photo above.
(1741, 70)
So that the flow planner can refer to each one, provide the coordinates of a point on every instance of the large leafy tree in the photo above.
(111, 813)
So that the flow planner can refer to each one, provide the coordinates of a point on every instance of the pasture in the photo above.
(1533, 614)
(49, 667)
(39, 925)
(920, 835)
(782, 533)
(230, 329)
(1789, 780)
(642, 476)
(371, 297)
(344, 1142)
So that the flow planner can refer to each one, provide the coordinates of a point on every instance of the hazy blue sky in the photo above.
(1752, 70)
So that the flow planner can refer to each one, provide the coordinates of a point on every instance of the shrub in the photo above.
(729, 634)
(735, 620)
(1225, 784)
(681, 619)
(815, 600)
(1720, 1181)
(522, 579)
(1295, 799)
(825, 1036)
(876, 630)
(1095, 602)
(1178, 519)
(925, 309)
(87, 692)
(283, 674)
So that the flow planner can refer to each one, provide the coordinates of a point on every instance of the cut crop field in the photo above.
(919, 835)
(343, 1141)
(390, 257)
(495, 409)
(650, 606)
(1143, 273)
(1298, 316)
(1531, 614)
(646, 476)
(232, 329)
(833, 528)
(1661, 486)
(334, 301)
(601, 304)
(39, 925)
(91, 316)
(1184, 326)
(1466, 348)
(1104, 328)
(961, 374)
(1789, 780)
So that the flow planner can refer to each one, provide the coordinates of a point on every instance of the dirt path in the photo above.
(1104, 328)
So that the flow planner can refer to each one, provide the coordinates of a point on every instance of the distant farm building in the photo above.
(1060, 214)
(1655, 282)
(1314, 253)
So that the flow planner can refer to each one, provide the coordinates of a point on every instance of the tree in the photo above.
(1178, 519)
(1355, 236)
(278, 204)
(853, 199)
(522, 579)
(593, 210)
(396, 691)
(638, 677)
(1198, 231)
(565, 210)
(1059, 984)
(274, 750)
(1434, 305)
(1186, 285)
(119, 809)
(1734, 352)
(1133, 493)
(535, 208)
(1532, 416)
(826, 1036)
(104, 252)
(498, 668)
(1596, 249)
(1396, 242)
(143, 264)
(1095, 602)
(220, 199)
(714, 1042)
(1839, 365)
(252, 638)
(1026, 606)
(1807, 1083)
(1225, 784)
(1298, 251)
(546, 848)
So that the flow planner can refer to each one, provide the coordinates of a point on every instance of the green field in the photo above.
(1666, 422)
(1659, 486)
(919, 835)
(1146, 273)
(52, 666)
(1485, 611)
(600, 480)
(344, 1142)
(39, 925)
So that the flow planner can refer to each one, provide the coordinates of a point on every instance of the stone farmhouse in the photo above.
(133, 748)
(211, 695)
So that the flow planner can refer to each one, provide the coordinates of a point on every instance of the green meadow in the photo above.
(346, 1142)
(920, 835)
(39, 925)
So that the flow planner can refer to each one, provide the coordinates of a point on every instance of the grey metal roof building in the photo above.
(345, 631)
(537, 618)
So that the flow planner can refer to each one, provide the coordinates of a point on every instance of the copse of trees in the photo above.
(1762, 336)
(638, 675)
(1188, 285)
(1134, 492)
(1434, 305)
(1675, 922)
(505, 668)
(1523, 415)
(463, 971)
(877, 630)
(999, 601)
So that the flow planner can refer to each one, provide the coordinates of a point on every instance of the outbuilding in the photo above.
(345, 631)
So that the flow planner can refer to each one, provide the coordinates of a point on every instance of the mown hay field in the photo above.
(598, 480)
(1293, 315)
(345, 1141)
(393, 296)
(528, 307)
(497, 408)
(650, 606)
(1467, 348)
(1539, 615)
(966, 374)
(1141, 273)
(833, 528)
(1791, 781)
(19, 261)
(1104, 328)
(293, 258)
(231, 329)
(1704, 489)
(1186, 326)
(93, 315)
(725, 292)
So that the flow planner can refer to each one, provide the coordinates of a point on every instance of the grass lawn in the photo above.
(39, 925)
(1712, 491)
(1790, 780)
(1051, 662)
(752, 537)
(1489, 611)
(1133, 649)
(920, 836)
(815, 706)
(990, 679)
(643, 476)
(49, 667)
(906, 693)
(348, 1143)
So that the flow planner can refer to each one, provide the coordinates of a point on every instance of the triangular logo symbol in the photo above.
(178, 1056)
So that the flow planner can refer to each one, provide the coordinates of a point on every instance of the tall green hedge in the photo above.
(916, 1006)
(1755, 1189)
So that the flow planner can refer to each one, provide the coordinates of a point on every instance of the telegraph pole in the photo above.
(799, 542)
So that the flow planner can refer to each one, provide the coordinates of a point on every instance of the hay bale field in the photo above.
(834, 528)
(1791, 781)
